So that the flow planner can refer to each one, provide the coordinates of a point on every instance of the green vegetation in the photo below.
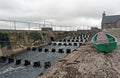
(35, 36)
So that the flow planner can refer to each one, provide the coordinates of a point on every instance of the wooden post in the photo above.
(51, 25)
(44, 24)
(39, 26)
(28, 26)
(14, 25)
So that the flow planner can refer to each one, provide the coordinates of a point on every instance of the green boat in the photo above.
(105, 47)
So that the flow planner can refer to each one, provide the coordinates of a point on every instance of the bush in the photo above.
(35, 35)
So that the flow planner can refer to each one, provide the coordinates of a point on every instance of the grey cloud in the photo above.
(64, 12)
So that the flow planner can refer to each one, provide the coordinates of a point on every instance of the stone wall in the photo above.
(115, 32)
(13, 42)
(118, 24)
(108, 26)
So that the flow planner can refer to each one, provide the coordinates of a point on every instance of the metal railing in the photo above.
(20, 25)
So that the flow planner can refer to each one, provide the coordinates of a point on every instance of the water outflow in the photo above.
(35, 61)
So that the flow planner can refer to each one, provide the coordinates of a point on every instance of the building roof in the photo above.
(110, 19)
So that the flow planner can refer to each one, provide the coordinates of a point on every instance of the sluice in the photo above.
(46, 50)
(54, 44)
(85, 39)
(69, 44)
(28, 48)
(77, 37)
(26, 63)
(77, 40)
(18, 62)
(60, 40)
(64, 40)
(73, 37)
(49, 43)
(60, 51)
(68, 51)
(53, 50)
(68, 40)
(81, 40)
(3, 59)
(40, 49)
(34, 49)
(75, 44)
(47, 65)
(59, 44)
(36, 64)
(65, 44)
(72, 40)
(10, 60)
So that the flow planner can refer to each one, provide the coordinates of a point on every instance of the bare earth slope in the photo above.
(86, 62)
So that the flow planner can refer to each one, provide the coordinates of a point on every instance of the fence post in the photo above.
(39, 26)
(51, 25)
(28, 26)
(14, 25)
(44, 24)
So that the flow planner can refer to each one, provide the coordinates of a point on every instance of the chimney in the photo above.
(103, 15)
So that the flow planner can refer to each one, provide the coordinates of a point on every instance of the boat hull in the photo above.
(105, 47)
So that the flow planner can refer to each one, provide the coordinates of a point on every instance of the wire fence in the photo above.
(20, 25)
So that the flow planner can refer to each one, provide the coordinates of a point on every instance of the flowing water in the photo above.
(11, 70)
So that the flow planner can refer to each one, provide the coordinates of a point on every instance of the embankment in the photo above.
(15, 41)
(87, 62)
(12, 42)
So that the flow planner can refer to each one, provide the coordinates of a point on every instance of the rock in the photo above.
(47, 65)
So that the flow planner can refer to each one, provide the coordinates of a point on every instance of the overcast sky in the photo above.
(60, 12)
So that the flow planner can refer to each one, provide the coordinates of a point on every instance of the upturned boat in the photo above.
(104, 42)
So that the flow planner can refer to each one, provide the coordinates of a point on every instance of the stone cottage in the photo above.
(109, 22)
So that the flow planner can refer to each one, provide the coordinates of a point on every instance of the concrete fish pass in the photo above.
(37, 59)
